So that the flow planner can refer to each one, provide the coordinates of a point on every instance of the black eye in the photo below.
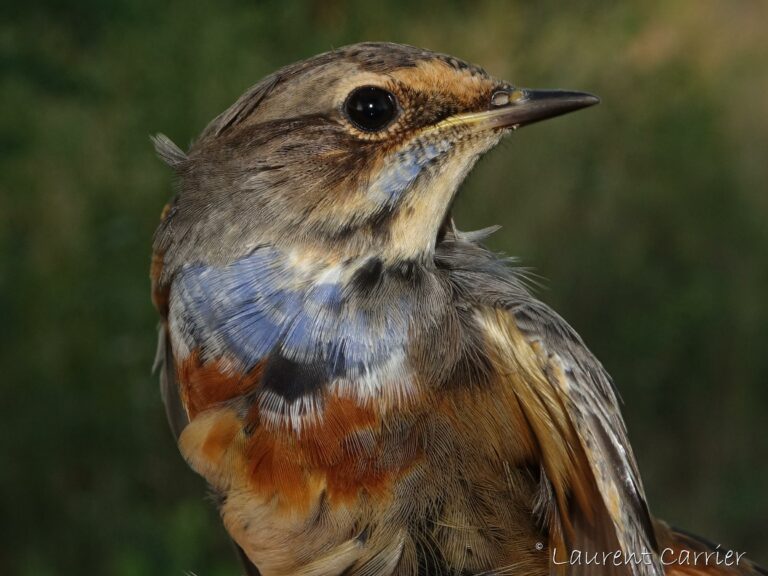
(370, 108)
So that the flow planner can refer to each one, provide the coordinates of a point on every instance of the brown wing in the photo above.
(579, 396)
(169, 390)
(593, 501)
(684, 554)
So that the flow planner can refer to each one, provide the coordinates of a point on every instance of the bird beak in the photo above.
(521, 106)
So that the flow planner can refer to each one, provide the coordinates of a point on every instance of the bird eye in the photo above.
(370, 108)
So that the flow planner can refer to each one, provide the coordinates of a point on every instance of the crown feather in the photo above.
(167, 151)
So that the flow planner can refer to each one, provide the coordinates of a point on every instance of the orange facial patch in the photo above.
(466, 89)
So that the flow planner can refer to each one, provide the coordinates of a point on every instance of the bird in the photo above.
(366, 389)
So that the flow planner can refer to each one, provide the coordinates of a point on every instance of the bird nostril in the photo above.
(509, 96)
(500, 98)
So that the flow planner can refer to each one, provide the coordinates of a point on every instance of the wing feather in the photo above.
(573, 412)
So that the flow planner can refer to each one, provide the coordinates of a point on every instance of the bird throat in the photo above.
(311, 326)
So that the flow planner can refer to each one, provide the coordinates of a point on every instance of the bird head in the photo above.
(354, 152)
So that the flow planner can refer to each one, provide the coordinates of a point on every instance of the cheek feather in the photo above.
(415, 223)
(401, 172)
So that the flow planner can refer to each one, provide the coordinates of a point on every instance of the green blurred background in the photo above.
(647, 218)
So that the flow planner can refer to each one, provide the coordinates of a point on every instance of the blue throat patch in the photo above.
(260, 305)
(399, 176)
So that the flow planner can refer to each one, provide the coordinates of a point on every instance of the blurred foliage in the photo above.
(647, 217)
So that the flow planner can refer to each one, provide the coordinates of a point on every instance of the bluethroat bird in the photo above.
(367, 390)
